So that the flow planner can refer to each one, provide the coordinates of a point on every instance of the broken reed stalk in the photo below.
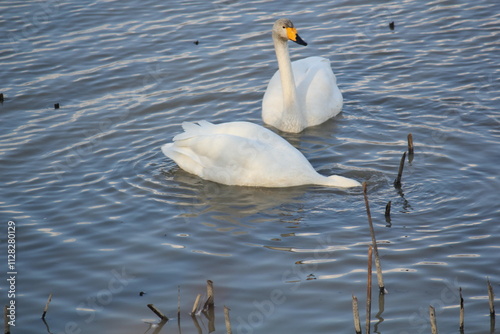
(210, 294)
(227, 320)
(46, 308)
(196, 304)
(179, 304)
(410, 144)
(6, 325)
(491, 297)
(461, 311)
(374, 242)
(397, 181)
(158, 312)
(355, 313)
(432, 315)
(369, 290)
(388, 214)
(388, 210)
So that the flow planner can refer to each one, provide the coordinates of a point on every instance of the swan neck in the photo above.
(286, 76)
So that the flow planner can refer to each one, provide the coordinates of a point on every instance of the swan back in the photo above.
(238, 153)
(241, 153)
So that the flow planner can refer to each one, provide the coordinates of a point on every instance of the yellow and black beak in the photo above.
(293, 36)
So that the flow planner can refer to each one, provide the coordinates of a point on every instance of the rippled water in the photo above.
(102, 215)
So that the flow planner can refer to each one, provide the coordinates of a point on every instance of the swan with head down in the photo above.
(244, 154)
(302, 93)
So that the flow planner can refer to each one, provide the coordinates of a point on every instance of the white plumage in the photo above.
(244, 154)
(302, 93)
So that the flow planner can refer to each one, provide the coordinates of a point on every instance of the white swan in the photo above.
(302, 93)
(244, 154)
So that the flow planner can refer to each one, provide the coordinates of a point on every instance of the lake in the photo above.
(107, 224)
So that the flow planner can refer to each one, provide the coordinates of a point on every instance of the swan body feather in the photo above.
(244, 154)
(302, 93)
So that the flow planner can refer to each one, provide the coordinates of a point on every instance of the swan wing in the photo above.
(272, 102)
(230, 153)
(317, 90)
(318, 95)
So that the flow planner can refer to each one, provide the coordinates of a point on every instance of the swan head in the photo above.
(284, 30)
(340, 182)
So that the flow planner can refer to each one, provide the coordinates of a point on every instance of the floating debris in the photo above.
(391, 25)
(56, 106)
(196, 42)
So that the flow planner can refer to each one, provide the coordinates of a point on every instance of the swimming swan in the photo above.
(302, 93)
(244, 154)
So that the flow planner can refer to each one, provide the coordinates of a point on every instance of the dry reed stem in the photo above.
(374, 243)
(6, 325)
(461, 311)
(196, 304)
(227, 320)
(388, 209)
(369, 290)
(491, 298)
(158, 312)
(397, 181)
(46, 308)
(179, 305)
(432, 316)
(210, 294)
(410, 144)
(355, 313)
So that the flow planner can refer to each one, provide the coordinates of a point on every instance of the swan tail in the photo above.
(193, 129)
(184, 157)
(167, 149)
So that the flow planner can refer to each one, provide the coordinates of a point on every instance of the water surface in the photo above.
(102, 215)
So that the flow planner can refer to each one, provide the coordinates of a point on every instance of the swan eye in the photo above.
(284, 27)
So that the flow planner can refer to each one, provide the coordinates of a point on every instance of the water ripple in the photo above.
(92, 192)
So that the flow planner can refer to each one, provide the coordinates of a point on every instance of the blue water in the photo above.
(102, 215)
